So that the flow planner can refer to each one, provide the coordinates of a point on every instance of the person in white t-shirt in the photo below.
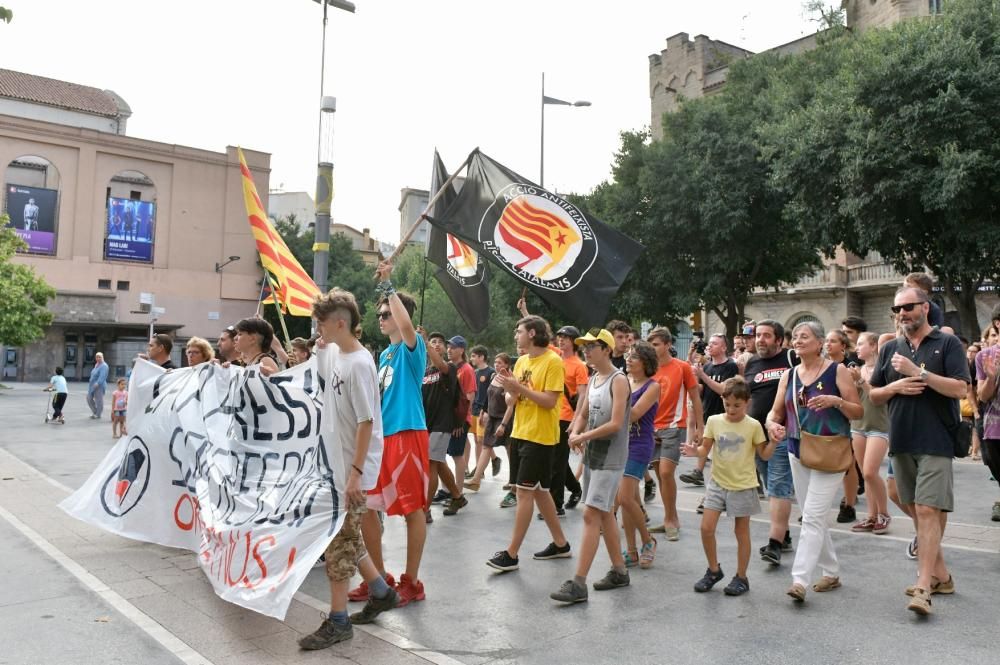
(353, 407)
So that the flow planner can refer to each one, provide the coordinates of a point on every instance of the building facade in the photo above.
(193, 221)
(846, 285)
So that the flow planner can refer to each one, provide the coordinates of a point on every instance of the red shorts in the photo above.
(402, 479)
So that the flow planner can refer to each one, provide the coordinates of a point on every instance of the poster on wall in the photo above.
(32, 212)
(130, 231)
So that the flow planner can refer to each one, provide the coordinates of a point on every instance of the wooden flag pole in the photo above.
(423, 287)
(430, 204)
(277, 306)
(260, 298)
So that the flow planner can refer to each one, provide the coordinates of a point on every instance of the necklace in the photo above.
(822, 366)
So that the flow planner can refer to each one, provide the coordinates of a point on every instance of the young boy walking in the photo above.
(733, 483)
(352, 407)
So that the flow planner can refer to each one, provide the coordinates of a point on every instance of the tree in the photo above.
(6, 15)
(24, 297)
(899, 152)
(703, 203)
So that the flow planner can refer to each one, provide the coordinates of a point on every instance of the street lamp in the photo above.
(220, 266)
(324, 157)
(541, 151)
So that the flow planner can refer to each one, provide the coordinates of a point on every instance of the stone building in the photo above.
(847, 285)
(68, 141)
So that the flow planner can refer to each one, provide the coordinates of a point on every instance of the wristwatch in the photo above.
(923, 374)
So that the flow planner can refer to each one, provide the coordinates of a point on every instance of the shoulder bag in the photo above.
(831, 454)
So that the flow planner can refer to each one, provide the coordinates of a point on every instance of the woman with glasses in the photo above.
(819, 397)
(641, 363)
(253, 340)
(198, 351)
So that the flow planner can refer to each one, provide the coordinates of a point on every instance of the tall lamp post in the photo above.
(324, 157)
(541, 151)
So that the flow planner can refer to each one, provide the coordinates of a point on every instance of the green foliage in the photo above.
(899, 151)
(24, 297)
(6, 15)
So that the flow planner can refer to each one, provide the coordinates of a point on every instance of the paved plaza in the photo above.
(76, 595)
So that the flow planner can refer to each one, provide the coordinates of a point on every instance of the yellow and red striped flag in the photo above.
(295, 289)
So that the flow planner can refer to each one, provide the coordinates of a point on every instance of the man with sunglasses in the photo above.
(401, 488)
(921, 375)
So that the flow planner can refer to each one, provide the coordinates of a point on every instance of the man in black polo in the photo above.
(763, 372)
(711, 375)
(921, 375)
(621, 331)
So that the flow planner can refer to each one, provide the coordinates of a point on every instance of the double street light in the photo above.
(556, 102)
(324, 157)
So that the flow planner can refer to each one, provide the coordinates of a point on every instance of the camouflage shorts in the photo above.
(347, 548)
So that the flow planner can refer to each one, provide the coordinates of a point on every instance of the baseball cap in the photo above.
(597, 335)
(457, 340)
(569, 331)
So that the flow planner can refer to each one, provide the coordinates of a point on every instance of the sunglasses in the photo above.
(908, 307)
(384, 315)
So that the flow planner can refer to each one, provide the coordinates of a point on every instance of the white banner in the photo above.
(230, 465)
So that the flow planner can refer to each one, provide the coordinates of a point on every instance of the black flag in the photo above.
(460, 271)
(572, 261)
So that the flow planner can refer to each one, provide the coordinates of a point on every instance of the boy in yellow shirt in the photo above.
(733, 485)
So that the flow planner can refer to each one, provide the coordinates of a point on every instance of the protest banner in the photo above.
(229, 464)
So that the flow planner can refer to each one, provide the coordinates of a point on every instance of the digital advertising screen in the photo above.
(32, 212)
(131, 229)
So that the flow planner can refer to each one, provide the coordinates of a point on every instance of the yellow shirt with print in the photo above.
(532, 422)
(733, 466)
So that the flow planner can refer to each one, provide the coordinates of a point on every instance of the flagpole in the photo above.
(277, 306)
(423, 287)
(440, 192)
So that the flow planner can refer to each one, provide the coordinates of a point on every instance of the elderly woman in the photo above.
(198, 351)
(818, 397)
(253, 339)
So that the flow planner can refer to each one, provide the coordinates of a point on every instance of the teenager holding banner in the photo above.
(402, 483)
(352, 408)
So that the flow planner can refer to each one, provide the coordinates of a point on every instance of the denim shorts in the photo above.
(871, 433)
(635, 469)
(777, 473)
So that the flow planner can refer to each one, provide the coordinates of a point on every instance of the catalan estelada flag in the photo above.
(574, 262)
(295, 290)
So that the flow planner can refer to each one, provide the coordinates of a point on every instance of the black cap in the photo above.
(569, 331)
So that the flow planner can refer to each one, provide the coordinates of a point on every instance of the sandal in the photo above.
(648, 553)
(630, 562)
(826, 584)
(797, 592)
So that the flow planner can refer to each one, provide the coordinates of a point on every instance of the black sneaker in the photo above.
(650, 492)
(495, 466)
(553, 551)
(738, 586)
(560, 512)
(328, 634)
(503, 562)
(693, 477)
(786, 544)
(570, 592)
(574, 499)
(771, 552)
(613, 580)
(455, 505)
(441, 496)
(701, 507)
(375, 606)
(847, 514)
(709, 580)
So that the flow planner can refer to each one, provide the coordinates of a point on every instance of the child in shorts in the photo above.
(119, 404)
(733, 483)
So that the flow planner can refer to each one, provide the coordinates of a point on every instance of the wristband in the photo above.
(360, 472)
(385, 288)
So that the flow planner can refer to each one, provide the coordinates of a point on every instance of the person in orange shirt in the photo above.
(677, 385)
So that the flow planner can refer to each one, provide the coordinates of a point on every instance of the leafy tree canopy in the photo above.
(24, 297)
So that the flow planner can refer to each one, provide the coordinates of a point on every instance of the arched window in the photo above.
(31, 199)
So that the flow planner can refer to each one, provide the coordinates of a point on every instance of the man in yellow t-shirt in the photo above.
(536, 383)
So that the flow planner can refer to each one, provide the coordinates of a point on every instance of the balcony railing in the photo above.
(865, 275)
(868, 274)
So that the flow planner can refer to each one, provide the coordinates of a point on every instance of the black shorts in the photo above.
(535, 471)
(456, 445)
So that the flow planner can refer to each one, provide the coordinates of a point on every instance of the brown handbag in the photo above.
(831, 454)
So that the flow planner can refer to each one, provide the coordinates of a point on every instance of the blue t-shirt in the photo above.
(400, 378)
(58, 382)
